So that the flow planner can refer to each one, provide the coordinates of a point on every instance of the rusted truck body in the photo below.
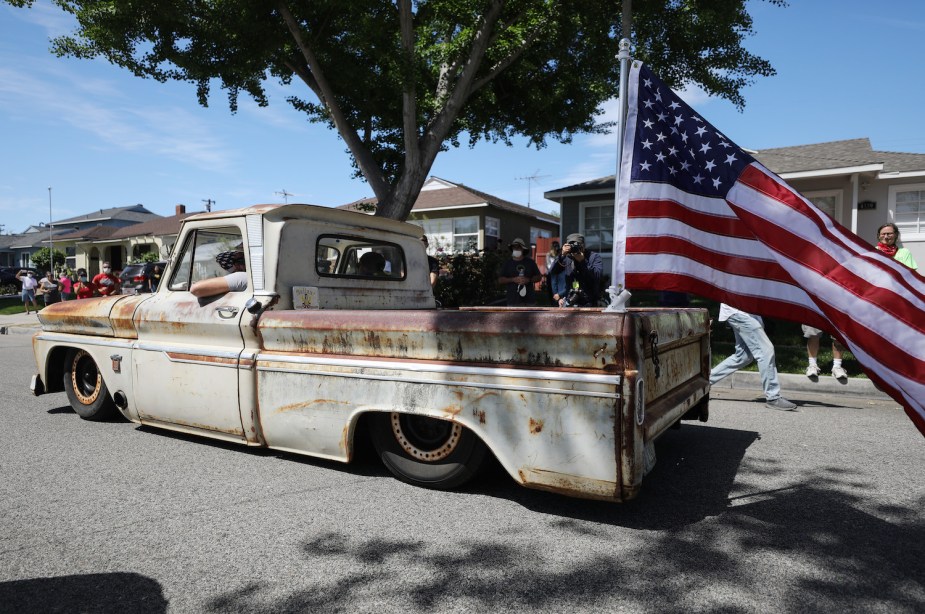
(567, 400)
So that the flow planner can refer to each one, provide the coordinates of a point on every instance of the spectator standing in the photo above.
(433, 265)
(84, 288)
(583, 281)
(518, 274)
(29, 285)
(155, 279)
(751, 344)
(49, 287)
(556, 281)
(813, 337)
(106, 283)
(888, 243)
(65, 285)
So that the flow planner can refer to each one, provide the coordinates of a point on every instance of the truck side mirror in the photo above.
(253, 306)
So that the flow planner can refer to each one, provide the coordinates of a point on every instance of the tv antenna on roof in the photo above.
(530, 179)
(285, 195)
(209, 202)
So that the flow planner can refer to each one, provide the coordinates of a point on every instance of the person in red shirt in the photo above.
(106, 283)
(83, 288)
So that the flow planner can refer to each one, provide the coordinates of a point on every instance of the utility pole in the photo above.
(285, 195)
(209, 202)
(51, 240)
(535, 176)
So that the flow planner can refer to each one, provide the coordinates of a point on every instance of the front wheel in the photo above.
(425, 451)
(85, 387)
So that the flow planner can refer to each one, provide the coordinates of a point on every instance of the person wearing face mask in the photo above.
(29, 284)
(84, 288)
(518, 274)
(106, 283)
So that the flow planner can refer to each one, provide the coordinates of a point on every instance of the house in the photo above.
(457, 218)
(859, 187)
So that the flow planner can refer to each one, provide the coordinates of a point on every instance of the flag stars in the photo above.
(700, 130)
(648, 83)
(730, 159)
(644, 166)
(674, 105)
(649, 104)
(661, 136)
(662, 116)
(698, 179)
(660, 157)
(709, 165)
(673, 151)
(647, 144)
(648, 123)
(716, 182)
(678, 120)
(705, 147)
(672, 170)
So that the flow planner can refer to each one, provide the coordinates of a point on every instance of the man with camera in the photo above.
(583, 273)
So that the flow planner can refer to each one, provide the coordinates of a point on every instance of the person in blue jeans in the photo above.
(752, 344)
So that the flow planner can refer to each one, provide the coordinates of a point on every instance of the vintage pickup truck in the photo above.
(317, 347)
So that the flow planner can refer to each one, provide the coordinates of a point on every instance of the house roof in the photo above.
(846, 156)
(133, 213)
(157, 227)
(93, 232)
(441, 194)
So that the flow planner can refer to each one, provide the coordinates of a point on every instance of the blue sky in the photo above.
(100, 137)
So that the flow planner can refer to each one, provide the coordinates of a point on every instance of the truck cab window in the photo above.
(197, 259)
(342, 256)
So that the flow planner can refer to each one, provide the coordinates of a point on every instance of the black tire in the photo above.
(85, 387)
(425, 451)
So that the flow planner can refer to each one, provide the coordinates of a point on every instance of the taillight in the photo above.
(138, 278)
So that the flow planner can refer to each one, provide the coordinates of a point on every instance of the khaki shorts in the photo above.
(809, 332)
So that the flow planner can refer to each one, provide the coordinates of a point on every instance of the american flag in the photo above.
(703, 216)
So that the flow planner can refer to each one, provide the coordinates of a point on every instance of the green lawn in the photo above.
(786, 336)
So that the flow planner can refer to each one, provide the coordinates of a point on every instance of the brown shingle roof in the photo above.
(459, 195)
(157, 227)
(94, 232)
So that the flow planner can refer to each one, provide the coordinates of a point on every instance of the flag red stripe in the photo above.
(747, 267)
(718, 225)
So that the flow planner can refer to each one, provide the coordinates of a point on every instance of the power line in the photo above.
(209, 202)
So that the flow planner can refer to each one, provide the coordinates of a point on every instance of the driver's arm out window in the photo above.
(197, 261)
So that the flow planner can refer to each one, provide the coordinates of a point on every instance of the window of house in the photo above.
(492, 227)
(828, 201)
(596, 224)
(451, 235)
(539, 233)
(907, 210)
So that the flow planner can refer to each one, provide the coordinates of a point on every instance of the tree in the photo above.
(401, 80)
(41, 258)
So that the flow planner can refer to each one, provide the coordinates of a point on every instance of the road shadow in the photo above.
(106, 593)
(833, 555)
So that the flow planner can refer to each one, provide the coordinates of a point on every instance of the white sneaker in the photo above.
(839, 373)
(812, 372)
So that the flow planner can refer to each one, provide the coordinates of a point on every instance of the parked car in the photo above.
(8, 276)
(134, 277)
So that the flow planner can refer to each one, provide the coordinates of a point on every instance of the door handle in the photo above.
(227, 312)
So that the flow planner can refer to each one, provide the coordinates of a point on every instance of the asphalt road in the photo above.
(757, 510)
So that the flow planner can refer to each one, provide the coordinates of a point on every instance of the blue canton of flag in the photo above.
(675, 145)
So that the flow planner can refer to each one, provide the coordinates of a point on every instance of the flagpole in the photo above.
(619, 295)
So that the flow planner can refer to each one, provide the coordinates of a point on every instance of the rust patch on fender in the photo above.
(307, 404)
(480, 414)
(536, 426)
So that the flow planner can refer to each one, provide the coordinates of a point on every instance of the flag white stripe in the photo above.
(754, 287)
(721, 244)
(694, 202)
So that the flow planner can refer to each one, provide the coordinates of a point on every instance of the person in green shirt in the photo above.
(887, 239)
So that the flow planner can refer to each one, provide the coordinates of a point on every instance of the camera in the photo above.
(575, 245)
(576, 297)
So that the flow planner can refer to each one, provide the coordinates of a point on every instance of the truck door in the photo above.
(188, 352)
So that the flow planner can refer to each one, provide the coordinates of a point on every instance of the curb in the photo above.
(791, 383)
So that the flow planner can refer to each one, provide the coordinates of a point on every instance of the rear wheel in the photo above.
(425, 451)
(85, 387)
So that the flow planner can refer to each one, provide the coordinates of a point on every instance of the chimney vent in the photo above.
(181, 209)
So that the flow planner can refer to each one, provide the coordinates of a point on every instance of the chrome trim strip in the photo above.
(587, 378)
(177, 349)
(86, 340)
(462, 384)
